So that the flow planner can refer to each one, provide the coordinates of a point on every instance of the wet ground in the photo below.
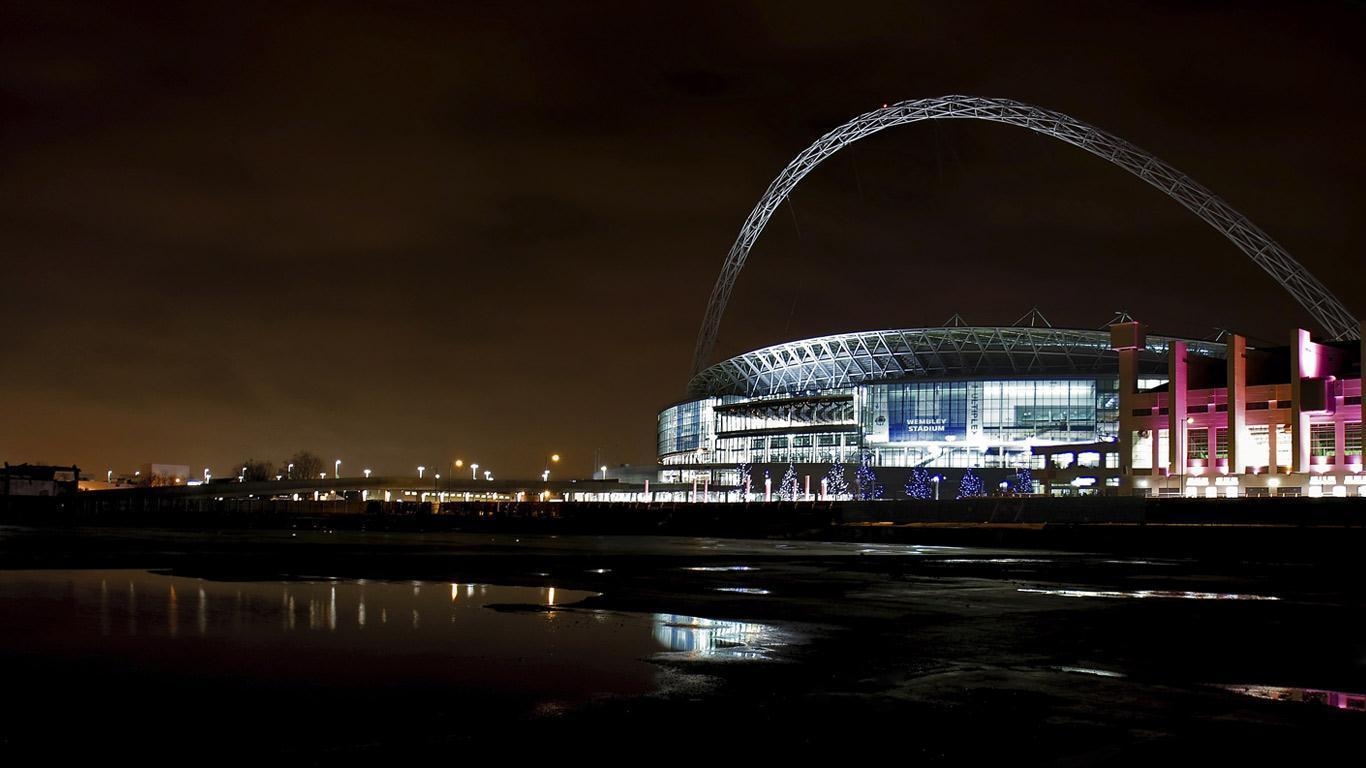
(675, 646)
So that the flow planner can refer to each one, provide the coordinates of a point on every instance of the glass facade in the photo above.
(969, 423)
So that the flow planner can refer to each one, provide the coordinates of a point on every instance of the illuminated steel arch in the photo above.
(1265, 252)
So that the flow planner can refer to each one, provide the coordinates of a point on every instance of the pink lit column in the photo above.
(1177, 376)
(1303, 364)
(1236, 360)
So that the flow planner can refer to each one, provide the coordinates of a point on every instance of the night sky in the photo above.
(404, 233)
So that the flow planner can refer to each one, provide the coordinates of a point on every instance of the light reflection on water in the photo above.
(1140, 594)
(1355, 702)
(698, 638)
(355, 632)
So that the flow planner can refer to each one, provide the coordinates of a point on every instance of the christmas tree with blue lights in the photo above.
(971, 486)
(1022, 482)
(836, 487)
(787, 490)
(918, 485)
(865, 480)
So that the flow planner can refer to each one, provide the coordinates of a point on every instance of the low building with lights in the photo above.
(1260, 422)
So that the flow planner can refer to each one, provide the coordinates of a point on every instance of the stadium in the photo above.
(953, 397)
(1109, 410)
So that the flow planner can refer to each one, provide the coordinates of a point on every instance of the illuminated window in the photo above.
(1352, 433)
(1321, 440)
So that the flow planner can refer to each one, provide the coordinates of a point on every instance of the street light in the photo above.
(436, 481)
(936, 480)
(554, 459)
(604, 471)
(336, 468)
(291, 471)
(109, 476)
(420, 470)
(367, 473)
(322, 475)
(474, 471)
(207, 475)
(488, 475)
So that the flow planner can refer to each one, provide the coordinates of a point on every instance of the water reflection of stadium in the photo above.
(711, 638)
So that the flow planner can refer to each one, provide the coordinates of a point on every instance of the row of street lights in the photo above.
(458, 464)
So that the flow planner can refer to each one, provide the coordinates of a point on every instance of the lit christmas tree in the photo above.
(971, 485)
(835, 484)
(918, 485)
(866, 480)
(742, 481)
(1022, 482)
(787, 490)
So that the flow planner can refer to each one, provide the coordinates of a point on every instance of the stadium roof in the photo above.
(955, 351)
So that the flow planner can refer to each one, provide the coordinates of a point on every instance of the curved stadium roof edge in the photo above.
(846, 359)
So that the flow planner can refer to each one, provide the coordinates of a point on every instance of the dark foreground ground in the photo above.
(934, 654)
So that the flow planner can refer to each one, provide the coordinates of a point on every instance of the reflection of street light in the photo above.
(545, 476)
(936, 480)
(488, 475)
(420, 470)
(474, 471)
(367, 473)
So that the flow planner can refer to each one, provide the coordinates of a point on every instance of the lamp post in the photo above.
(604, 471)
(207, 475)
(488, 475)
(436, 481)
(291, 471)
(242, 478)
(936, 480)
(474, 471)
(336, 468)
(554, 458)
(420, 470)
(109, 476)
(367, 473)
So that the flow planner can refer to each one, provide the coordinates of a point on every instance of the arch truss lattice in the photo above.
(1266, 253)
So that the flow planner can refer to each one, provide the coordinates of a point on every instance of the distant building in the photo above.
(165, 474)
(38, 480)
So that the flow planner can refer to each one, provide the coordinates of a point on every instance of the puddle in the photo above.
(356, 634)
(993, 560)
(1089, 671)
(690, 637)
(1355, 702)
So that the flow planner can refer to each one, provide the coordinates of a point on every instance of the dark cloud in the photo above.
(407, 232)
